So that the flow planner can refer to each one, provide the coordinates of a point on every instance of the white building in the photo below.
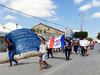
(5, 30)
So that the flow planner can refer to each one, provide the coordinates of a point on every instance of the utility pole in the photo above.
(82, 20)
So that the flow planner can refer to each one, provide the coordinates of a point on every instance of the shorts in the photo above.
(87, 47)
(43, 57)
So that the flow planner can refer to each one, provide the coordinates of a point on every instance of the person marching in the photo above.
(83, 44)
(91, 44)
(76, 44)
(87, 50)
(42, 53)
(11, 51)
(67, 48)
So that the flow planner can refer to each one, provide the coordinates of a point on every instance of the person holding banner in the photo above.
(11, 51)
(42, 53)
(67, 48)
(83, 43)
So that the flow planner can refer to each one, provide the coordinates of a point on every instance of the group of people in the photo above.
(78, 45)
(42, 52)
(81, 45)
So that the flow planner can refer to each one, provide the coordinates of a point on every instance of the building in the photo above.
(5, 30)
(47, 32)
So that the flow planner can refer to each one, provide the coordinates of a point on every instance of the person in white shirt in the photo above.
(42, 53)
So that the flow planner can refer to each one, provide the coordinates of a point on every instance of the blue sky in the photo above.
(63, 12)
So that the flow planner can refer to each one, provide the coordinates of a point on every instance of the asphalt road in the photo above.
(77, 65)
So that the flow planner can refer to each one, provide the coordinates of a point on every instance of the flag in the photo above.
(57, 42)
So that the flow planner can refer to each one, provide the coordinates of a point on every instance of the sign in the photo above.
(83, 42)
(25, 40)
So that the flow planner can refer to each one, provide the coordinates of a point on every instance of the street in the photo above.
(77, 65)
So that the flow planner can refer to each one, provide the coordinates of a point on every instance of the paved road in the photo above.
(88, 65)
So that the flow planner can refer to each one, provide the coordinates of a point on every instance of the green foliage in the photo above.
(48, 29)
(38, 30)
(33, 30)
(81, 34)
(98, 36)
(90, 39)
(44, 31)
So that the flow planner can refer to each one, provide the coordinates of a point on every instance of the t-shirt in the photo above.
(10, 47)
(68, 43)
(43, 48)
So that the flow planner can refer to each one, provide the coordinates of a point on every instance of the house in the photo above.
(47, 32)
(5, 29)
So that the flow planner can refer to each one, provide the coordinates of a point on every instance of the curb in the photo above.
(25, 56)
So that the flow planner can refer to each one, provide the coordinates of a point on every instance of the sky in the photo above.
(65, 13)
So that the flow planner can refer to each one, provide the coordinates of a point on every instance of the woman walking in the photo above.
(67, 48)
(42, 53)
(76, 44)
(11, 51)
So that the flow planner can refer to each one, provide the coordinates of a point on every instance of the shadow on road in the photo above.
(26, 63)
(58, 58)
(44, 67)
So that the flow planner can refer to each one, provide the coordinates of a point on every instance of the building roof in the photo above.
(8, 28)
(12, 26)
(3, 29)
(48, 27)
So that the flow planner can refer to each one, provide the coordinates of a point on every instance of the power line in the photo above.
(67, 7)
(31, 15)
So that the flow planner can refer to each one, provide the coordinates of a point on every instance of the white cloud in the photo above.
(77, 1)
(96, 15)
(9, 17)
(96, 3)
(38, 8)
(85, 7)
(55, 19)
(4, 1)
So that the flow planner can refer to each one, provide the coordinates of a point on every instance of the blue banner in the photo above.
(25, 40)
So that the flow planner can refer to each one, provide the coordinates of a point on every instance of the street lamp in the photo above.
(82, 19)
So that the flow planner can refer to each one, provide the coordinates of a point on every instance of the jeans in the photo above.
(75, 48)
(67, 53)
(63, 49)
(83, 51)
(11, 55)
(79, 48)
(49, 51)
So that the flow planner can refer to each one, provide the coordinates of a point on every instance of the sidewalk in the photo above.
(4, 56)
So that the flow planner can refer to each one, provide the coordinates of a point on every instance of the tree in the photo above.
(90, 39)
(81, 34)
(33, 30)
(98, 36)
